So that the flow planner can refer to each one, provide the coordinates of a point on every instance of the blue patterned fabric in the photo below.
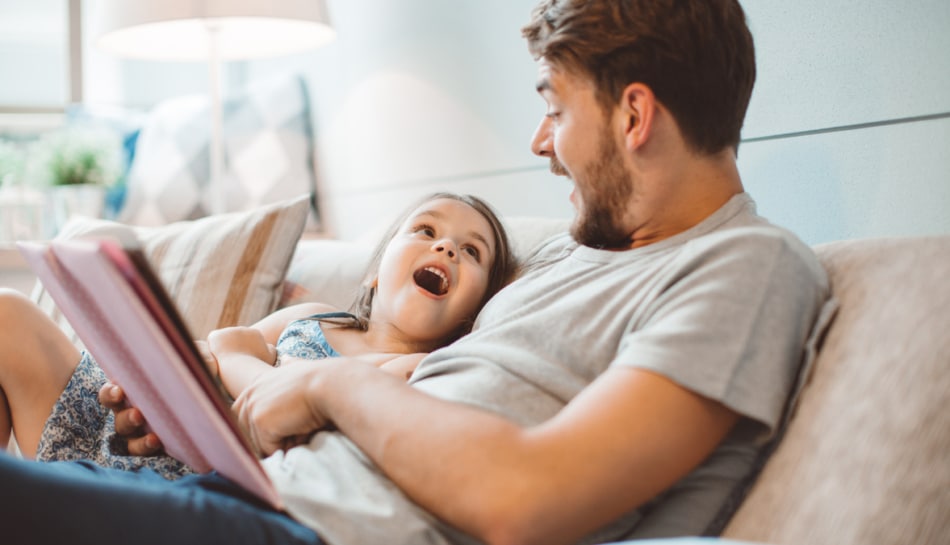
(304, 339)
(79, 428)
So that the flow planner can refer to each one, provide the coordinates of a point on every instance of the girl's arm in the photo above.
(242, 354)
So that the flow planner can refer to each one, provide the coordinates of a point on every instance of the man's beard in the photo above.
(604, 193)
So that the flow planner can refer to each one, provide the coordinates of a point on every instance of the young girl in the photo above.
(428, 278)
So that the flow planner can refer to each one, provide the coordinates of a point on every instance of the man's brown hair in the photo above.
(696, 55)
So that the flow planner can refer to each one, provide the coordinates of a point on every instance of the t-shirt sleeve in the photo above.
(732, 321)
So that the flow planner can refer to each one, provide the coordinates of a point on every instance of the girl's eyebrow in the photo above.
(478, 236)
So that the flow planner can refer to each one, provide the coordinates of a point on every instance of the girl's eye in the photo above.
(426, 230)
(473, 251)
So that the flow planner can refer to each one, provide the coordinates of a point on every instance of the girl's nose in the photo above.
(446, 246)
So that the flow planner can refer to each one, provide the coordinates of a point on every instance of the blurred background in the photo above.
(848, 133)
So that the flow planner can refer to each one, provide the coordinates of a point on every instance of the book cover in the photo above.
(131, 328)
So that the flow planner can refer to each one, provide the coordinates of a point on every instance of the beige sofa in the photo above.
(865, 459)
(866, 456)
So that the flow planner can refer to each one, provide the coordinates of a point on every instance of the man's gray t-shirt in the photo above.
(724, 309)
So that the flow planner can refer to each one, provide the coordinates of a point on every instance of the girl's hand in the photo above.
(207, 356)
(241, 340)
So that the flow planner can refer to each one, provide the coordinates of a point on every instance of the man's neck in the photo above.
(694, 187)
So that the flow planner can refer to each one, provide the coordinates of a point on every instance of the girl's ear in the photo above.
(638, 107)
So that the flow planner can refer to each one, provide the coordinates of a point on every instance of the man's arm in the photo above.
(129, 421)
(620, 442)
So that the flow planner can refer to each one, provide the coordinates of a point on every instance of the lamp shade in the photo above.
(196, 30)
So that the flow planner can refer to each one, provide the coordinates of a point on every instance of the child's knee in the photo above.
(20, 315)
(14, 306)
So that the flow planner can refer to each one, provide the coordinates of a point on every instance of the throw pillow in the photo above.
(267, 146)
(220, 271)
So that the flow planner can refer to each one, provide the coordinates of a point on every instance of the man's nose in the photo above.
(541, 144)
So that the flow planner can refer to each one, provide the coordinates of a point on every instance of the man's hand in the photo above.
(276, 410)
(129, 422)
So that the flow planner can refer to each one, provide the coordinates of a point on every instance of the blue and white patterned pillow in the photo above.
(268, 155)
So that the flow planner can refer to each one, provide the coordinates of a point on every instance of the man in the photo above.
(620, 388)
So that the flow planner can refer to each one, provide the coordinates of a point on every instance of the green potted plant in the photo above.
(76, 165)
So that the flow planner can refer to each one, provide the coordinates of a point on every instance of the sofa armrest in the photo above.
(864, 459)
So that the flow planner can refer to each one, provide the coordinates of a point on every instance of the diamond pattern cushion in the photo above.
(267, 155)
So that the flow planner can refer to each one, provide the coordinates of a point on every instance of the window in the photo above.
(40, 60)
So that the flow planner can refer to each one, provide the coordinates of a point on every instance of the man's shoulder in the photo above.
(770, 248)
(550, 249)
(753, 236)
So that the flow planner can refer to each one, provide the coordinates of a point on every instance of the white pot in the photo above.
(67, 201)
(21, 214)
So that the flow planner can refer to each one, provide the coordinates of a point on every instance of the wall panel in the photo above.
(881, 181)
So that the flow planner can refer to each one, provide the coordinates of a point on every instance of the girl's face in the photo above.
(435, 271)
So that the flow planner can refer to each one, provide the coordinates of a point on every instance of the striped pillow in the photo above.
(220, 270)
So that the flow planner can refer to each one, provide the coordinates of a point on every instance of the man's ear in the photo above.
(638, 106)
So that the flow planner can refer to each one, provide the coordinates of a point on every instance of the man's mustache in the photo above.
(557, 168)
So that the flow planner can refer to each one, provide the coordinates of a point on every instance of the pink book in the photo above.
(122, 313)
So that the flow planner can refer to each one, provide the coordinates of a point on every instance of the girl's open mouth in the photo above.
(432, 280)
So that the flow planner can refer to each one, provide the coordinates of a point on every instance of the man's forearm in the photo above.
(504, 483)
(445, 456)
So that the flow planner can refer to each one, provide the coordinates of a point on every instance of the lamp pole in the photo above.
(217, 190)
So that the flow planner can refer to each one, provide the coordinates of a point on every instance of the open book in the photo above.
(120, 310)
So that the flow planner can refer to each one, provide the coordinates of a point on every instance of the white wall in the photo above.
(852, 75)
(425, 95)
(420, 95)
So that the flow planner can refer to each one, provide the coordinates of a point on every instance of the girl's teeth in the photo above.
(445, 281)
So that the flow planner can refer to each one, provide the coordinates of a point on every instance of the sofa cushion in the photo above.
(267, 147)
(864, 459)
(220, 271)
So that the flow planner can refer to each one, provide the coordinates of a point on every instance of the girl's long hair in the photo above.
(500, 273)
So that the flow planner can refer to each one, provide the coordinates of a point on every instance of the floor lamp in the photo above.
(212, 31)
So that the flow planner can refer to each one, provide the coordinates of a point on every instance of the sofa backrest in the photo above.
(866, 457)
